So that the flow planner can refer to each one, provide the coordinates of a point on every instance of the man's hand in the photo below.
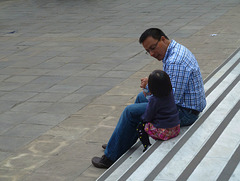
(144, 93)
(144, 82)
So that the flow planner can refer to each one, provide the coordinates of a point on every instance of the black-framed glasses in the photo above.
(152, 48)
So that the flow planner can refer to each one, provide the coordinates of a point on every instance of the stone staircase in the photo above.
(209, 149)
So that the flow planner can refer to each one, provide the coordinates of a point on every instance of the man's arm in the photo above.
(143, 85)
(144, 82)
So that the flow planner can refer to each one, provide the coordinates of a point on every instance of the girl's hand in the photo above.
(144, 82)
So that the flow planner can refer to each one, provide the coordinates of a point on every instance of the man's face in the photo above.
(156, 48)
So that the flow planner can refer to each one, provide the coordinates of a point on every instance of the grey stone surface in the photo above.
(31, 107)
(47, 97)
(120, 74)
(48, 79)
(11, 144)
(106, 81)
(9, 86)
(63, 88)
(69, 68)
(90, 73)
(6, 105)
(27, 130)
(93, 89)
(34, 87)
(3, 155)
(18, 96)
(46, 119)
(14, 117)
(63, 108)
(21, 79)
(74, 98)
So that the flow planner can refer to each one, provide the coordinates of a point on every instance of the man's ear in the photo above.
(163, 38)
(165, 41)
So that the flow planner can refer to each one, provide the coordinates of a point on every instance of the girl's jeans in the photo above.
(125, 134)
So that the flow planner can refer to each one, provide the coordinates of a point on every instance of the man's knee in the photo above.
(129, 110)
(188, 120)
(136, 109)
(141, 98)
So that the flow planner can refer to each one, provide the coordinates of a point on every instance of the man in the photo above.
(182, 67)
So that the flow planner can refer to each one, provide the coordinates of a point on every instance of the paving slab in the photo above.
(69, 68)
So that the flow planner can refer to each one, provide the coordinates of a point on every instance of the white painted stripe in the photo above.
(184, 156)
(216, 159)
(126, 164)
(213, 79)
(236, 173)
(149, 164)
(145, 168)
(222, 87)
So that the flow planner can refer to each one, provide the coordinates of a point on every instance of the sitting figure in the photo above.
(160, 120)
(187, 84)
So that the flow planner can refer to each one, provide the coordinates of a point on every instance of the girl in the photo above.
(160, 120)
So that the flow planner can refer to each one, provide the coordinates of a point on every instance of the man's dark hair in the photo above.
(153, 32)
(159, 83)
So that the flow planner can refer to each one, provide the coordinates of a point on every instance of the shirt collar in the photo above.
(170, 47)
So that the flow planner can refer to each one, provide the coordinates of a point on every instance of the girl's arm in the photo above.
(149, 113)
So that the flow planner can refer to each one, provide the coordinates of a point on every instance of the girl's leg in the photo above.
(143, 136)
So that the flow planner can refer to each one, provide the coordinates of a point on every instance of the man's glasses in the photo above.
(152, 48)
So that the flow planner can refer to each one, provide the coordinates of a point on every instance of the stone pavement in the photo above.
(68, 69)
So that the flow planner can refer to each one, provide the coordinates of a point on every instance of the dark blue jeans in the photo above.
(125, 134)
(186, 117)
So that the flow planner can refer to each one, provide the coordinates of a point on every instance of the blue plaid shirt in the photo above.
(182, 67)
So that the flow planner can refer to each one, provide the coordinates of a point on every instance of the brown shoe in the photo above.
(102, 162)
(104, 146)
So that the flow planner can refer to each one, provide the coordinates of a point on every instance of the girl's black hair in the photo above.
(159, 83)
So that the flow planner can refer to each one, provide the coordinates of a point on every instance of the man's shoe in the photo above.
(102, 162)
(104, 146)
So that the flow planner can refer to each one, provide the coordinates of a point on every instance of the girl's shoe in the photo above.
(146, 147)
